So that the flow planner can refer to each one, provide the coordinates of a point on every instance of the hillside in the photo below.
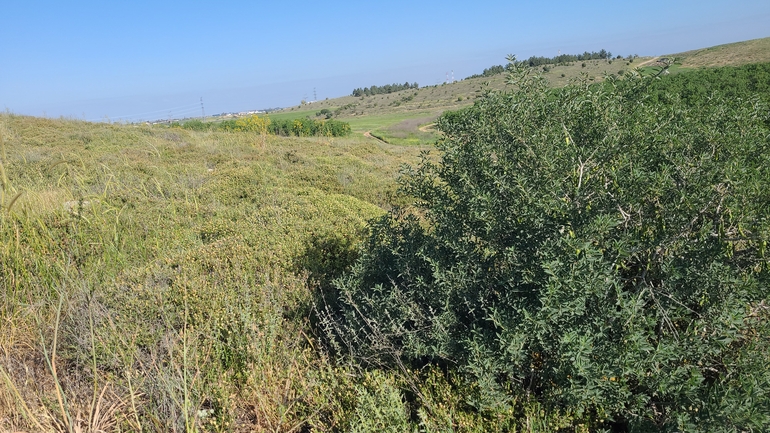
(458, 94)
(398, 117)
(401, 117)
(735, 54)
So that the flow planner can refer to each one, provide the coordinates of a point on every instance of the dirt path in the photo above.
(428, 127)
(647, 62)
(368, 134)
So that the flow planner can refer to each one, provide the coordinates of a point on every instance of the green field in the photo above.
(401, 128)
(284, 115)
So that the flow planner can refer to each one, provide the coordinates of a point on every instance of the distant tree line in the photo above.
(388, 88)
(535, 61)
(567, 58)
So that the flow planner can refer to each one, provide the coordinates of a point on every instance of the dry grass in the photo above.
(39, 392)
(735, 54)
(148, 276)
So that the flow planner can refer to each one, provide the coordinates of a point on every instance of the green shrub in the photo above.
(228, 125)
(589, 247)
(380, 407)
(197, 125)
(305, 127)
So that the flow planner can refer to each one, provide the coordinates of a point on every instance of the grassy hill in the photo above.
(398, 117)
(735, 54)
(452, 95)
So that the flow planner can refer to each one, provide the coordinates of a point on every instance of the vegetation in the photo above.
(732, 83)
(410, 131)
(568, 58)
(154, 279)
(309, 127)
(490, 71)
(562, 59)
(388, 88)
(735, 54)
(588, 257)
(440, 98)
(591, 248)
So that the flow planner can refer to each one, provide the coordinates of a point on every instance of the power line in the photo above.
(186, 106)
(184, 114)
(184, 109)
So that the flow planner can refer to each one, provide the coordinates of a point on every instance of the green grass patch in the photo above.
(290, 115)
(397, 128)
(411, 131)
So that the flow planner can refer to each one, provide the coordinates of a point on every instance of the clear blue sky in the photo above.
(148, 59)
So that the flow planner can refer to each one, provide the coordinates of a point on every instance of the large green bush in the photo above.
(304, 127)
(301, 127)
(599, 250)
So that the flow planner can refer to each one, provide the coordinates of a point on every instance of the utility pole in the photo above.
(315, 98)
(203, 113)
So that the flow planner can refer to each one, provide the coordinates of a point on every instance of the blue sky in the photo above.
(151, 59)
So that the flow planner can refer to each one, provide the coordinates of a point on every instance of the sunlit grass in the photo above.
(150, 277)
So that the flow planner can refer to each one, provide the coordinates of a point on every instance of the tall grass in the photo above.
(149, 277)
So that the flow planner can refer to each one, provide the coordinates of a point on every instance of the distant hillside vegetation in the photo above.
(561, 59)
